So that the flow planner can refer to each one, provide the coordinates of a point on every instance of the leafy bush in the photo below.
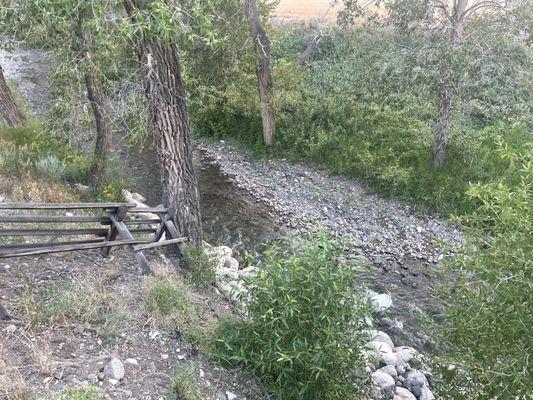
(490, 311)
(201, 267)
(302, 335)
(50, 167)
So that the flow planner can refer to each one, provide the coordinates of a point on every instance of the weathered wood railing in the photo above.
(117, 225)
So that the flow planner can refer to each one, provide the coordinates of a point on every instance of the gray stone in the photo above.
(390, 370)
(384, 353)
(230, 395)
(379, 336)
(404, 354)
(114, 369)
(380, 302)
(384, 381)
(231, 263)
(426, 394)
(403, 394)
(415, 379)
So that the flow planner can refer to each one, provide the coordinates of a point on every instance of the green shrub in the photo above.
(490, 304)
(184, 384)
(201, 267)
(50, 167)
(302, 335)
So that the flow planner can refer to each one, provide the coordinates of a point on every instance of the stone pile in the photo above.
(395, 369)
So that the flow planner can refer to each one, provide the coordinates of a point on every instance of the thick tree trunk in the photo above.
(10, 114)
(264, 71)
(165, 92)
(104, 131)
(443, 128)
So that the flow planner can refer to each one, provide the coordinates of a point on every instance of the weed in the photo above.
(171, 304)
(184, 384)
(78, 394)
(50, 167)
(87, 302)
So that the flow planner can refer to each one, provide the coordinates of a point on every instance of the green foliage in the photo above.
(164, 298)
(184, 384)
(78, 394)
(34, 149)
(302, 335)
(50, 167)
(170, 302)
(365, 108)
(490, 313)
(201, 267)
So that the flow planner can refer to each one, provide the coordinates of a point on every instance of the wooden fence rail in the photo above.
(118, 223)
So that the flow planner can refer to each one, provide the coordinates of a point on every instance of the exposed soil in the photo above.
(64, 353)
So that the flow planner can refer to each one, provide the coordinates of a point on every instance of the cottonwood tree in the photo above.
(155, 26)
(10, 114)
(79, 34)
(264, 71)
(444, 23)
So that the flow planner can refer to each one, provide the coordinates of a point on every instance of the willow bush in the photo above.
(303, 331)
(490, 319)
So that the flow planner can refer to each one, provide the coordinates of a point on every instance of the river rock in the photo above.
(385, 354)
(384, 381)
(380, 302)
(403, 394)
(379, 336)
(426, 394)
(389, 370)
(114, 369)
(231, 263)
(415, 381)
(404, 354)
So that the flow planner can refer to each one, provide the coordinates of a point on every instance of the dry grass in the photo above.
(28, 189)
(306, 9)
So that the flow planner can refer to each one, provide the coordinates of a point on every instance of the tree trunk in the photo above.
(165, 92)
(442, 136)
(264, 71)
(10, 114)
(442, 133)
(310, 49)
(104, 132)
(4, 315)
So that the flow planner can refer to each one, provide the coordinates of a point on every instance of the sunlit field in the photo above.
(306, 9)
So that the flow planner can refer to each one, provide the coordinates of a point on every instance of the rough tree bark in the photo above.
(104, 131)
(165, 91)
(10, 114)
(264, 71)
(4, 315)
(442, 136)
(310, 49)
